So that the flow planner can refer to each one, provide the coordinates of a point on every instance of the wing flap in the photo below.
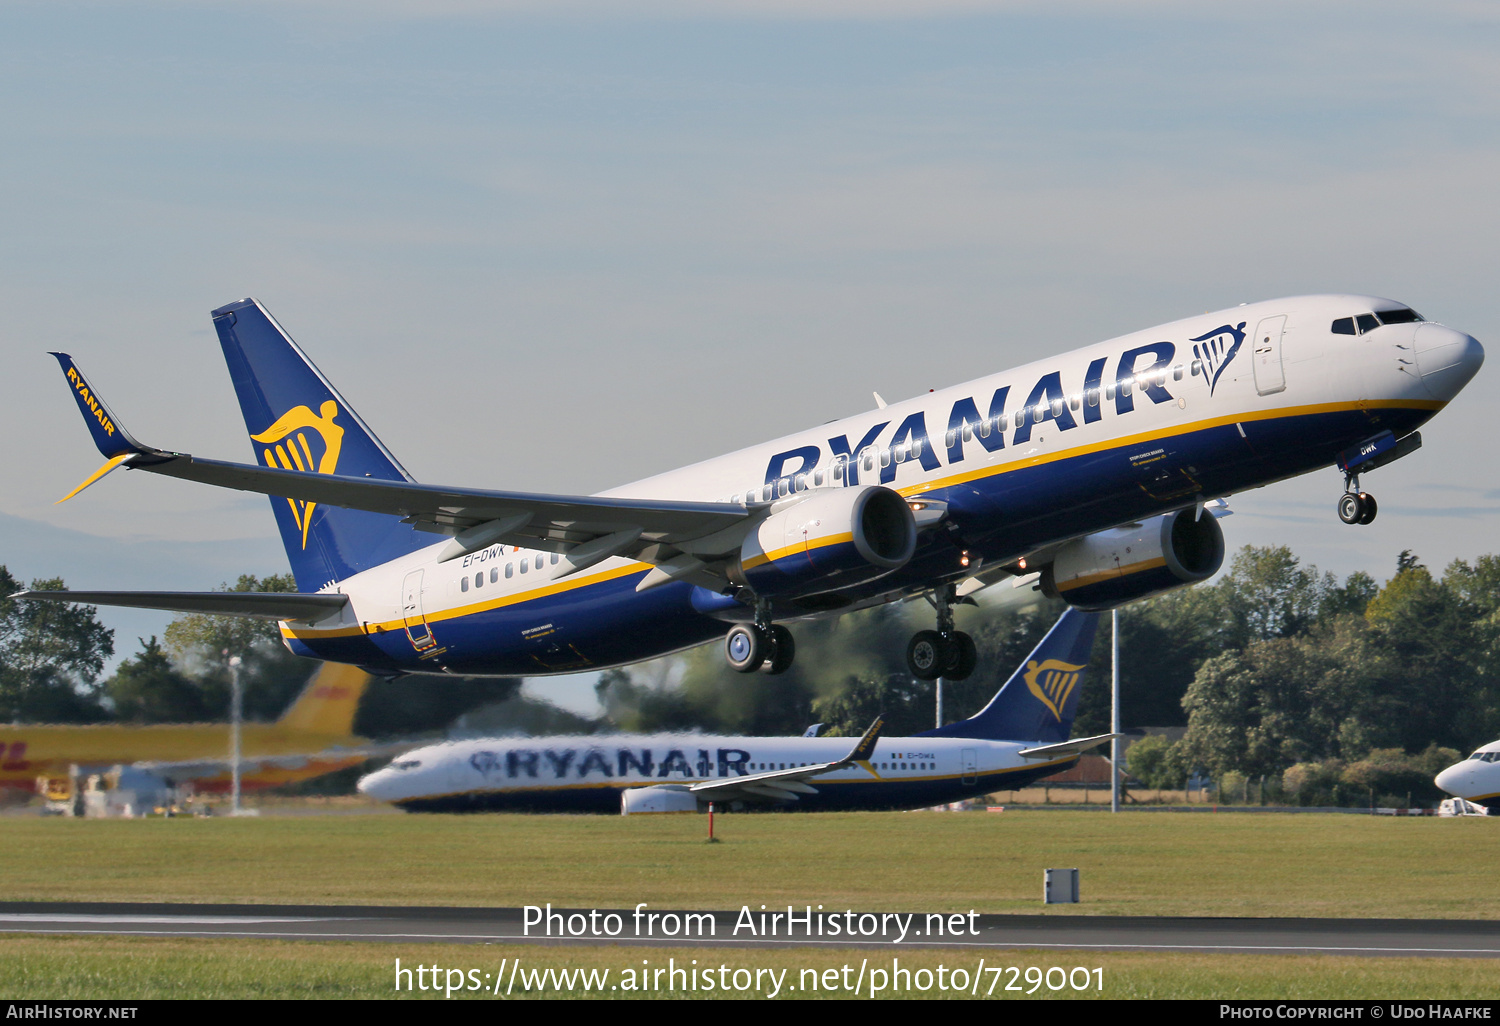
(555, 522)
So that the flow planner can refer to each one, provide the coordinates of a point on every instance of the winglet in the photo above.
(112, 439)
(866, 746)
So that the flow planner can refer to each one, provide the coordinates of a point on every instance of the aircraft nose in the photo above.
(1450, 780)
(1447, 359)
(373, 784)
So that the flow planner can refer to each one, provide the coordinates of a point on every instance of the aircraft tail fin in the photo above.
(298, 421)
(1039, 700)
(326, 706)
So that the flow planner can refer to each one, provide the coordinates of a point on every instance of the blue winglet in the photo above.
(112, 439)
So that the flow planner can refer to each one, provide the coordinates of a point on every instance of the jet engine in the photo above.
(1108, 569)
(832, 539)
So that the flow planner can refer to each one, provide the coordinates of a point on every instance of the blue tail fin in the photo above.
(1039, 700)
(298, 421)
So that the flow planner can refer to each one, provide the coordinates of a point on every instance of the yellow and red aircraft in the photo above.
(313, 737)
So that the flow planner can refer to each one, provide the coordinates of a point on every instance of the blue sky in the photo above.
(554, 247)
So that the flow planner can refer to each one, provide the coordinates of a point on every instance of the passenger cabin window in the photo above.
(479, 579)
(508, 567)
(1344, 326)
(525, 565)
(1366, 322)
(538, 560)
(1197, 367)
(555, 558)
(494, 575)
(463, 585)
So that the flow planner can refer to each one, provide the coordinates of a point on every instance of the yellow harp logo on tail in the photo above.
(288, 449)
(1052, 682)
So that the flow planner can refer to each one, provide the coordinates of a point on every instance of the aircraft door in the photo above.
(411, 613)
(970, 758)
(1266, 354)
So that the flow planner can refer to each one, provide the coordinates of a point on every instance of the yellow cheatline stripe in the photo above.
(111, 464)
(1124, 571)
(911, 490)
(793, 550)
(1168, 432)
(577, 581)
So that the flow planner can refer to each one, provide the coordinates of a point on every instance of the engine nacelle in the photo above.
(1108, 569)
(657, 799)
(834, 538)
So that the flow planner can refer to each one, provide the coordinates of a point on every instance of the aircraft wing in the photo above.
(261, 605)
(1065, 749)
(588, 528)
(787, 784)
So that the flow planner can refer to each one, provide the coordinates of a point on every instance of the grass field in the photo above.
(138, 968)
(1131, 864)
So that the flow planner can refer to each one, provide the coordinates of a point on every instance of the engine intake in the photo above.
(1108, 569)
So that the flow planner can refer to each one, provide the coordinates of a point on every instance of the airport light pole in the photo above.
(1114, 710)
(235, 707)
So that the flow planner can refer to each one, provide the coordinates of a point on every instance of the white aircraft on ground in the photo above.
(1020, 736)
(1476, 779)
(1091, 469)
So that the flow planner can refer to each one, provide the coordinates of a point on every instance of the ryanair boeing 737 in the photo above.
(1091, 469)
(1020, 736)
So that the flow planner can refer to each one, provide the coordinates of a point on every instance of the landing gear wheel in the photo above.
(1370, 507)
(745, 648)
(1351, 507)
(927, 655)
(963, 657)
(782, 650)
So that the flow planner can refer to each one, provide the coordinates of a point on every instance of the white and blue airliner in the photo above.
(1092, 470)
(1020, 736)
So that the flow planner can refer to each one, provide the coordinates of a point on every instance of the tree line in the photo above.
(1316, 689)
(53, 654)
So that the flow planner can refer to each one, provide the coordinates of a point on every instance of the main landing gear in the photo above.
(945, 652)
(1355, 506)
(759, 646)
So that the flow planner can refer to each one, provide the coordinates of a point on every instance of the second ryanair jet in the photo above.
(1091, 469)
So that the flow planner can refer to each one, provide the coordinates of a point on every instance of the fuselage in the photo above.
(1057, 449)
(588, 773)
(1476, 779)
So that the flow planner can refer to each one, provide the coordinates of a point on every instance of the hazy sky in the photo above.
(553, 247)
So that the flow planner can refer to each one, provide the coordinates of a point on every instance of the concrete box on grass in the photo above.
(1060, 887)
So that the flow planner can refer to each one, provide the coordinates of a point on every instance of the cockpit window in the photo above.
(1366, 322)
(1403, 316)
(1344, 326)
(1485, 757)
(406, 764)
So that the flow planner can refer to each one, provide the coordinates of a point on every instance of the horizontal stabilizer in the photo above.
(260, 605)
(1067, 749)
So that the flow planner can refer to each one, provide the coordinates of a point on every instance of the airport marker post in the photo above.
(1114, 710)
(236, 701)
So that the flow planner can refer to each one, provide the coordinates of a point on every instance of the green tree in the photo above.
(149, 689)
(270, 675)
(51, 654)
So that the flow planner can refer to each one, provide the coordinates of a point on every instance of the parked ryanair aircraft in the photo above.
(1020, 736)
(313, 737)
(1476, 779)
(1090, 469)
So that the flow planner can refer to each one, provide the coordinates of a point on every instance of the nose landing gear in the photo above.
(945, 652)
(1355, 506)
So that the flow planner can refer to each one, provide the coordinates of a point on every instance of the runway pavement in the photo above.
(1359, 937)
